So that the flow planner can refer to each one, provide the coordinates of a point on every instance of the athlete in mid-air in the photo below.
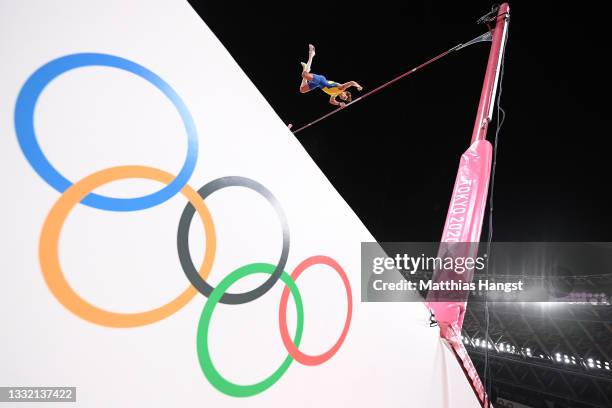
(333, 89)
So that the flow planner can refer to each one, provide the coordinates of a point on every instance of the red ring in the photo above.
(282, 313)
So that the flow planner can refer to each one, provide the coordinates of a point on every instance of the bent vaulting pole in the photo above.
(467, 206)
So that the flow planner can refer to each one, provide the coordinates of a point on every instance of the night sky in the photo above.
(394, 156)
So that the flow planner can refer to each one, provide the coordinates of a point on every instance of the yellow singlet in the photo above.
(333, 91)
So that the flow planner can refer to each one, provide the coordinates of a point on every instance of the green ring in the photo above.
(211, 373)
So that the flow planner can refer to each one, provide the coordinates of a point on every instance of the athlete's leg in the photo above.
(306, 75)
(311, 54)
(304, 87)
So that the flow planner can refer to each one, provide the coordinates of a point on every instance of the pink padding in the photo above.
(463, 225)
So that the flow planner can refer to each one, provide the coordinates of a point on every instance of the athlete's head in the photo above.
(346, 96)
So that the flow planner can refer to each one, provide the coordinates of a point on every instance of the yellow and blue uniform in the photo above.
(329, 87)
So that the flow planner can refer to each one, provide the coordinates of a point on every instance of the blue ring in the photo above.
(24, 127)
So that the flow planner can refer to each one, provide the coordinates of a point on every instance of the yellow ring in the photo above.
(49, 259)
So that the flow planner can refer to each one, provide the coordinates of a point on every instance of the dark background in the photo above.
(394, 156)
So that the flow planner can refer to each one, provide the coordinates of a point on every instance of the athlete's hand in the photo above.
(359, 88)
(342, 104)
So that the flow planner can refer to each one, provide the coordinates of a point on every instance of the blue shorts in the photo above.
(319, 81)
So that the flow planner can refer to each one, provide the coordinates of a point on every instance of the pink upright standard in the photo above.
(468, 203)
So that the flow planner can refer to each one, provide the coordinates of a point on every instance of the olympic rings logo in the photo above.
(82, 192)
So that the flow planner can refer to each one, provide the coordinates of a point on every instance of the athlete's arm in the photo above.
(333, 101)
(347, 85)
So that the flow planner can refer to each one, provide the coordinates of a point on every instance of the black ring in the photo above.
(182, 241)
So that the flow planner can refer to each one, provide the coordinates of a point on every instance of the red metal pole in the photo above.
(489, 87)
